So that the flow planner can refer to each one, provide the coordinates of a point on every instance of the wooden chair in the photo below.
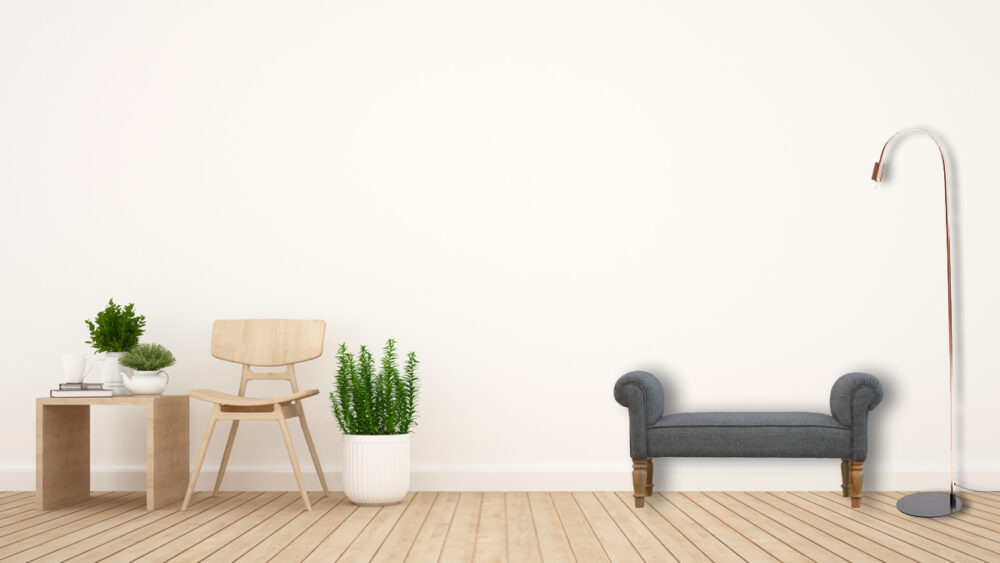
(262, 343)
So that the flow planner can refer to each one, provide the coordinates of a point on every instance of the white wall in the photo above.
(534, 196)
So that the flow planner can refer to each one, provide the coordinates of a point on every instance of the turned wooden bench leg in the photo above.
(649, 476)
(857, 479)
(845, 472)
(640, 469)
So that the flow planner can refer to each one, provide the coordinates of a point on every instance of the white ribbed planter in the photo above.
(376, 468)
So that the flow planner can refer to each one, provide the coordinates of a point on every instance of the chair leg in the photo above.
(225, 456)
(845, 472)
(291, 455)
(649, 476)
(639, 481)
(857, 480)
(312, 448)
(201, 458)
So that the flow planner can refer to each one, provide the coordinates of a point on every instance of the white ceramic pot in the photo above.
(111, 372)
(146, 382)
(376, 468)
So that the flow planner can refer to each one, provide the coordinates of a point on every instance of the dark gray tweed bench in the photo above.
(843, 435)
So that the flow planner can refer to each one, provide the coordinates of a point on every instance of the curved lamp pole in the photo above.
(932, 505)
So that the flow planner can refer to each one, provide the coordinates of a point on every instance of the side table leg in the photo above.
(62, 455)
(167, 451)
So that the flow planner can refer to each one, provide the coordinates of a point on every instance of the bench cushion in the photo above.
(748, 434)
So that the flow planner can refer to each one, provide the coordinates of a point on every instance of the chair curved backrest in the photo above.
(268, 342)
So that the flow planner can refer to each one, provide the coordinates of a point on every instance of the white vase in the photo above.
(146, 382)
(111, 373)
(376, 468)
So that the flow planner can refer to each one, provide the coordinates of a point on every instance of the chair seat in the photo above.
(221, 398)
(749, 434)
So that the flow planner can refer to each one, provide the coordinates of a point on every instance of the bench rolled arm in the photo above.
(642, 394)
(853, 395)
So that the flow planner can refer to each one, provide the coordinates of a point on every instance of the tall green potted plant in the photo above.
(376, 411)
(114, 331)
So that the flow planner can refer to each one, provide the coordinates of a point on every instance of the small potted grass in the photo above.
(147, 362)
(376, 410)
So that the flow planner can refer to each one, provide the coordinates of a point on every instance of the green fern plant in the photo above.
(116, 328)
(369, 401)
(148, 357)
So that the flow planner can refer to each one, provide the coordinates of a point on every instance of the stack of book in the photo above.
(80, 390)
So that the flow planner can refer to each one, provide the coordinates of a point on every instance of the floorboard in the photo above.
(553, 544)
(460, 541)
(430, 538)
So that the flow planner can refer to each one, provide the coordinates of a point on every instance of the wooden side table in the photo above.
(62, 454)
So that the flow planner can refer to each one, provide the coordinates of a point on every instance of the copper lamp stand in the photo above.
(933, 505)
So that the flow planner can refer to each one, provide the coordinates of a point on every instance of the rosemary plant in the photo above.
(369, 401)
(148, 357)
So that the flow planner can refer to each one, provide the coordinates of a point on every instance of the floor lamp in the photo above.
(933, 505)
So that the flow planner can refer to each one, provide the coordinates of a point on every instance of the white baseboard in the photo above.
(531, 478)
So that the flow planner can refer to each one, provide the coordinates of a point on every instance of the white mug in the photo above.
(75, 367)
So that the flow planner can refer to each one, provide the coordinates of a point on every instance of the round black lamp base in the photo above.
(929, 505)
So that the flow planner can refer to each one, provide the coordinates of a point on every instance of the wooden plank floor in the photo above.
(516, 527)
